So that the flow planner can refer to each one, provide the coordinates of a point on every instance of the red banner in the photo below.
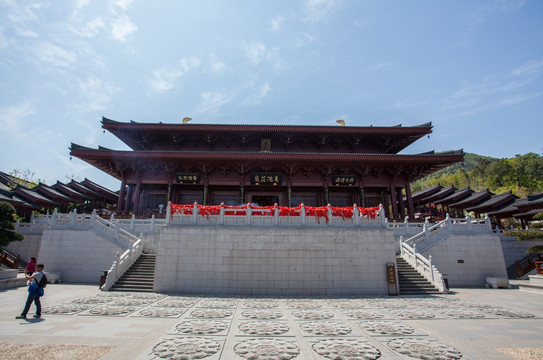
(318, 212)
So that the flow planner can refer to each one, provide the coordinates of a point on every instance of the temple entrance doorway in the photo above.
(264, 200)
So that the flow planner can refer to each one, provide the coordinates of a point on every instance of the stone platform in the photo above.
(468, 324)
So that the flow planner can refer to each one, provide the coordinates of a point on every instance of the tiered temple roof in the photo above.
(316, 164)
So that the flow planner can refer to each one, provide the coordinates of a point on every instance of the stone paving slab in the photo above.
(469, 324)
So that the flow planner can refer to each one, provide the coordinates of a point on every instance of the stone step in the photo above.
(139, 277)
(411, 282)
(129, 289)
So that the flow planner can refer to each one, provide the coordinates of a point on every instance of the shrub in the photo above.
(534, 249)
(7, 224)
(525, 234)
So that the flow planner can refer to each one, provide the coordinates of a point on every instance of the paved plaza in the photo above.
(468, 324)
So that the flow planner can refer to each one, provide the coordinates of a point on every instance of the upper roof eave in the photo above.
(82, 151)
(113, 124)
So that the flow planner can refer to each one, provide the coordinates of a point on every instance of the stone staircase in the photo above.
(411, 282)
(139, 277)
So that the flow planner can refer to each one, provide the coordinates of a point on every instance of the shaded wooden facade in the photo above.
(264, 164)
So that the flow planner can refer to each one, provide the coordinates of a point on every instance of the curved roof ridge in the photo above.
(106, 120)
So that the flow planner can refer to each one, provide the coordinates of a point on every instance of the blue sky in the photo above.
(472, 68)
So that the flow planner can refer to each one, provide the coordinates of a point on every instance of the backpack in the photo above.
(43, 282)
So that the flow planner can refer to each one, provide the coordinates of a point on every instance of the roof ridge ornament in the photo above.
(341, 122)
(186, 120)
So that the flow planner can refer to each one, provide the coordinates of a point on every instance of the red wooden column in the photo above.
(120, 202)
(169, 196)
(410, 208)
(129, 194)
(136, 209)
(402, 204)
(394, 200)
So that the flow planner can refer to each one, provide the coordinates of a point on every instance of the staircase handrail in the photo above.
(9, 259)
(122, 263)
(111, 230)
(139, 225)
(528, 264)
(424, 267)
(433, 234)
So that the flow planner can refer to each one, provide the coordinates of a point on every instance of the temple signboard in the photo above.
(266, 178)
(187, 178)
(349, 180)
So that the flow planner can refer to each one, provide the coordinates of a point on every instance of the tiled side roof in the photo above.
(473, 199)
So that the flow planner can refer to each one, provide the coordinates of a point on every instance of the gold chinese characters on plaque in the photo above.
(266, 178)
(187, 178)
(346, 180)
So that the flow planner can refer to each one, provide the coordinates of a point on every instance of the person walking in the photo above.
(34, 293)
(30, 266)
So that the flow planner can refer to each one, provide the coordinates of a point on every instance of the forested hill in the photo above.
(522, 174)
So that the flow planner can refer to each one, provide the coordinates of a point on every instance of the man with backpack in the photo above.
(37, 282)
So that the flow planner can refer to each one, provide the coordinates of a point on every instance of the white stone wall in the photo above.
(273, 261)
(514, 250)
(481, 254)
(29, 247)
(79, 255)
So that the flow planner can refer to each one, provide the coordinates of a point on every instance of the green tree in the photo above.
(7, 224)
(25, 178)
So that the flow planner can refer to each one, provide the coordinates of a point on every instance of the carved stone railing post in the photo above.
(431, 267)
(132, 222)
(221, 214)
(488, 223)
(382, 218)
(303, 220)
(468, 222)
(169, 212)
(72, 217)
(195, 213)
(248, 213)
(53, 217)
(275, 214)
(426, 231)
(356, 216)
(330, 215)
(93, 217)
(153, 222)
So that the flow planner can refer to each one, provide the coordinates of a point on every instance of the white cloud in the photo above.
(380, 66)
(255, 52)
(122, 27)
(319, 10)
(81, 3)
(212, 101)
(55, 55)
(12, 118)
(91, 28)
(124, 4)
(258, 96)
(302, 39)
(530, 68)
(97, 94)
(24, 12)
(277, 23)
(164, 79)
(216, 65)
